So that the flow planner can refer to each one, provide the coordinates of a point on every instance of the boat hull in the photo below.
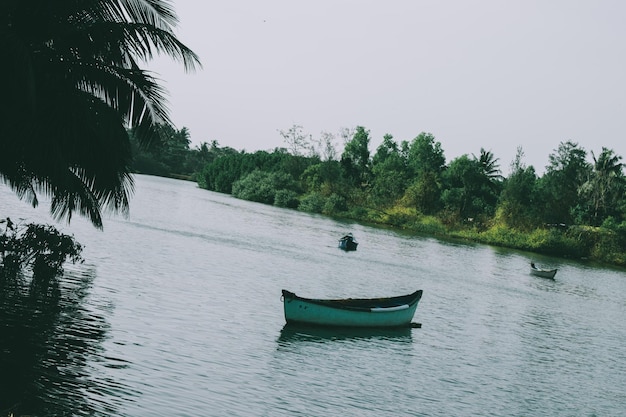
(347, 245)
(380, 312)
(543, 273)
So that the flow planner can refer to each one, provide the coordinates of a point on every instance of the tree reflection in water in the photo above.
(49, 336)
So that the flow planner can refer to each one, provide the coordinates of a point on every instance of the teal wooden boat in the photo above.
(351, 312)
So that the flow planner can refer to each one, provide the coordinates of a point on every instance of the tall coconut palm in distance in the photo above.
(605, 185)
(71, 86)
(489, 165)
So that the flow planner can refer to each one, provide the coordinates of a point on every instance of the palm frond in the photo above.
(75, 84)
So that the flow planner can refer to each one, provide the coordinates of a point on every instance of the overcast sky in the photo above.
(495, 74)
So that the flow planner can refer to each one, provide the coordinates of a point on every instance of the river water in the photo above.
(176, 311)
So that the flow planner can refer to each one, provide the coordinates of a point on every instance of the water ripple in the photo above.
(178, 312)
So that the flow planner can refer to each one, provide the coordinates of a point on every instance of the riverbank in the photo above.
(596, 244)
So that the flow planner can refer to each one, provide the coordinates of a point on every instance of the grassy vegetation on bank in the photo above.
(598, 244)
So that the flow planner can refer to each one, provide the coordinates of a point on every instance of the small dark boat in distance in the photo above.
(543, 273)
(351, 312)
(348, 243)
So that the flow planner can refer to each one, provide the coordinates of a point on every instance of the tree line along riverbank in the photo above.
(576, 209)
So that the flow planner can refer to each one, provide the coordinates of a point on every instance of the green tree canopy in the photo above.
(389, 172)
(425, 163)
(567, 171)
(425, 154)
(518, 202)
(220, 174)
(469, 190)
(355, 159)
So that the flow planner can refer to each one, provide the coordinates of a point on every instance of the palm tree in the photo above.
(72, 85)
(605, 184)
(489, 165)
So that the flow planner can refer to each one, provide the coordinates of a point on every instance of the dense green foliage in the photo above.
(577, 208)
(169, 155)
(42, 248)
(221, 174)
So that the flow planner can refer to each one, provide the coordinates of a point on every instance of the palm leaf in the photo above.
(74, 84)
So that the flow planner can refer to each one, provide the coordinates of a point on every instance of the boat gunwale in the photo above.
(543, 270)
(359, 304)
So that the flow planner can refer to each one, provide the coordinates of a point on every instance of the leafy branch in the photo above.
(40, 247)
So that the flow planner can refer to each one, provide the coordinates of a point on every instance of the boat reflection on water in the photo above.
(321, 334)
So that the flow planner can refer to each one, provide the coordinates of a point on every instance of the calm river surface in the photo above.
(177, 312)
